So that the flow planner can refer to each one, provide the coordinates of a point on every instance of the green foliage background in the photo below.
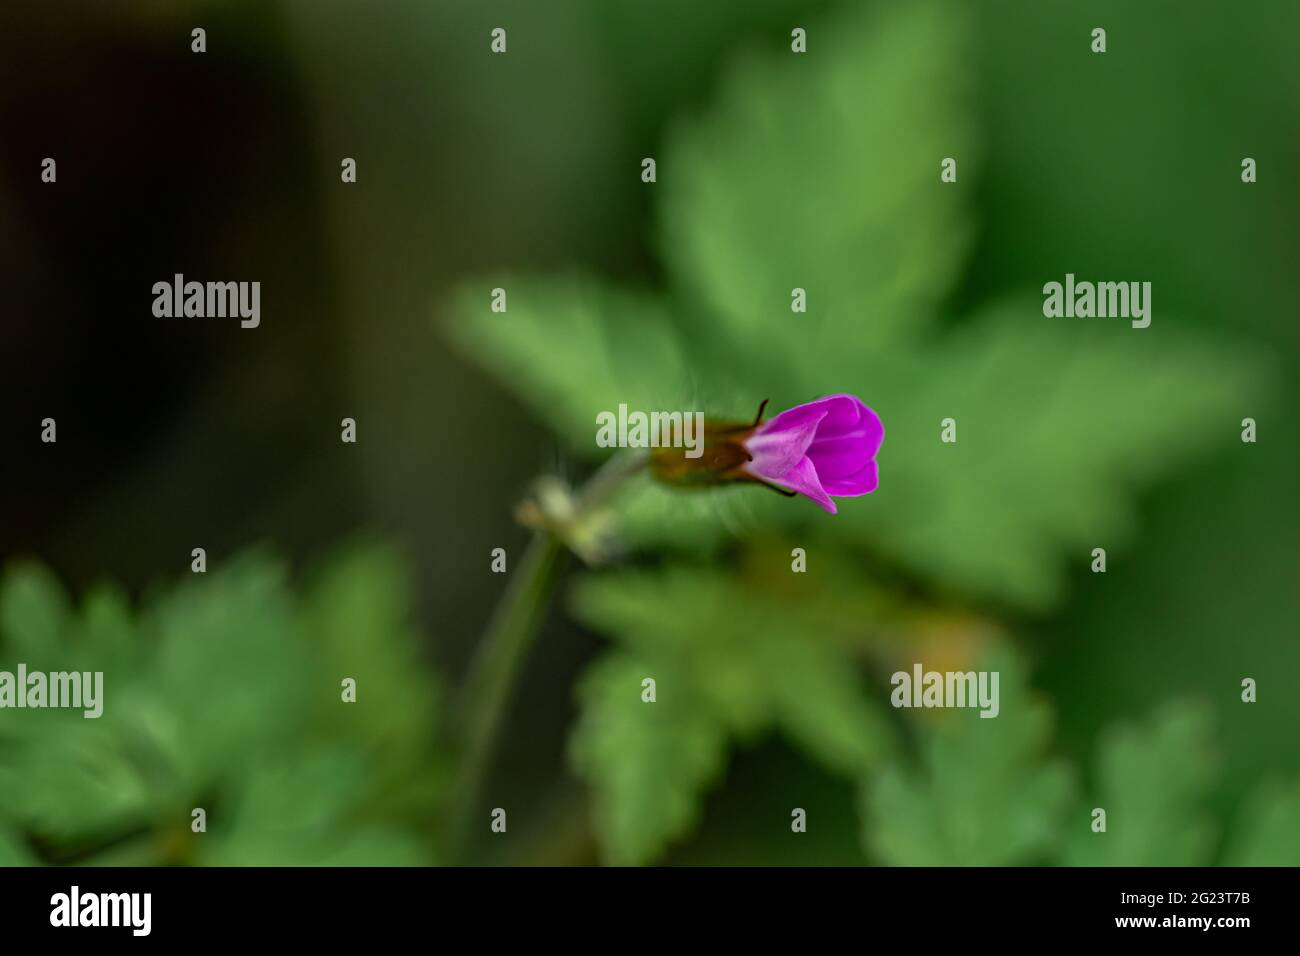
(821, 173)
(1119, 691)
(223, 694)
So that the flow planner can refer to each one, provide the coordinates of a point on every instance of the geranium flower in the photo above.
(822, 450)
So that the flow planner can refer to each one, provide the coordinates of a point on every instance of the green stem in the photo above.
(492, 679)
(514, 626)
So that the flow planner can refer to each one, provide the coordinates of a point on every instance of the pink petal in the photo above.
(803, 479)
(838, 457)
(845, 415)
(778, 445)
(819, 449)
(862, 482)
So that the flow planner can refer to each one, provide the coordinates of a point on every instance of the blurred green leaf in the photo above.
(33, 616)
(761, 649)
(67, 779)
(1268, 831)
(819, 701)
(572, 348)
(1152, 783)
(1055, 427)
(12, 851)
(356, 614)
(821, 172)
(647, 763)
(223, 691)
(228, 667)
(735, 662)
(297, 813)
(984, 792)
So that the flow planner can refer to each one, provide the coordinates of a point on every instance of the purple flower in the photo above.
(825, 449)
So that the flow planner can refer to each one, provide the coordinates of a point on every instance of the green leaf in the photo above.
(735, 662)
(1055, 428)
(647, 763)
(572, 348)
(763, 648)
(214, 681)
(296, 814)
(674, 618)
(12, 850)
(107, 628)
(1268, 831)
(819, 701)
(68, 779)
(33, 617)
(1152, 783)
(984, 792)
(357, 617)
(229, 667)
(822, 172)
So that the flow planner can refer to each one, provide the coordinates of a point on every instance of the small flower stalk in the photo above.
(823, 450)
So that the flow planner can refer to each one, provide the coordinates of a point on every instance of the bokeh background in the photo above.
(523, 171)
